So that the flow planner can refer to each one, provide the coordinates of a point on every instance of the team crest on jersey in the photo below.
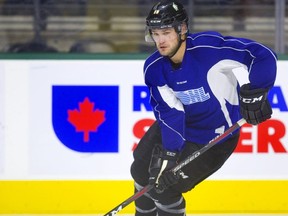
(85, 118)
(192, 96)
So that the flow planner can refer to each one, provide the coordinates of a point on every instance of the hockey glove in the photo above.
(254, 106)
(161, 163)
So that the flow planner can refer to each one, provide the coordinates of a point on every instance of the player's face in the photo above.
(166, 40)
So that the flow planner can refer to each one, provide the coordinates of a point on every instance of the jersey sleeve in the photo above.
(263, 66)
(260, 60)
(168, 110)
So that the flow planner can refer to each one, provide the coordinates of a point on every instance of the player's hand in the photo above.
(254, 106)
(161, 163)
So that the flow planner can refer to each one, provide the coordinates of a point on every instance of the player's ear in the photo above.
(184, 30)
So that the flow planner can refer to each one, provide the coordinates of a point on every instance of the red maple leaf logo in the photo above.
(86, 119)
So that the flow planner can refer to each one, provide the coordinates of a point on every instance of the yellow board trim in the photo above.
(97, 197)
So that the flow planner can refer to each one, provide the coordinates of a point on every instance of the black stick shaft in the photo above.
(118, 208)
(213, 142)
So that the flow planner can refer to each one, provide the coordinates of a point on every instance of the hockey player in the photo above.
(195, 97)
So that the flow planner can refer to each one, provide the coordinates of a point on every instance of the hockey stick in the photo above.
(213, 142)
(181, 164)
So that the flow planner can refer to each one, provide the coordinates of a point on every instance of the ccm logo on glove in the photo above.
(254, 106)
(252, 100)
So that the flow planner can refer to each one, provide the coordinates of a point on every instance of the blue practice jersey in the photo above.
(199, 100)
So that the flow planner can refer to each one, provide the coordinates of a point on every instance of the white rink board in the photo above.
(32, 150)
(2, 101)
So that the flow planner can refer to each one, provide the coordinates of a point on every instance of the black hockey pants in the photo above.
(171, 202)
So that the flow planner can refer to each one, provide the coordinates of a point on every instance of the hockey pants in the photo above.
(171, 202)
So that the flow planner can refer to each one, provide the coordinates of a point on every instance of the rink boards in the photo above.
(50, 164)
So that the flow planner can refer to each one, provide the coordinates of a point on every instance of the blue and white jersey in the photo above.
(199, 100)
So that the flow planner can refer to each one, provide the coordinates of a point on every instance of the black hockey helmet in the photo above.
(166, 14)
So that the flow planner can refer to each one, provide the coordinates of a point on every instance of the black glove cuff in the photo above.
(253, 96)
(254, 105)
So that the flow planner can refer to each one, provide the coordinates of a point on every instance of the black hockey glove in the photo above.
(254, 106)
(161, 163)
